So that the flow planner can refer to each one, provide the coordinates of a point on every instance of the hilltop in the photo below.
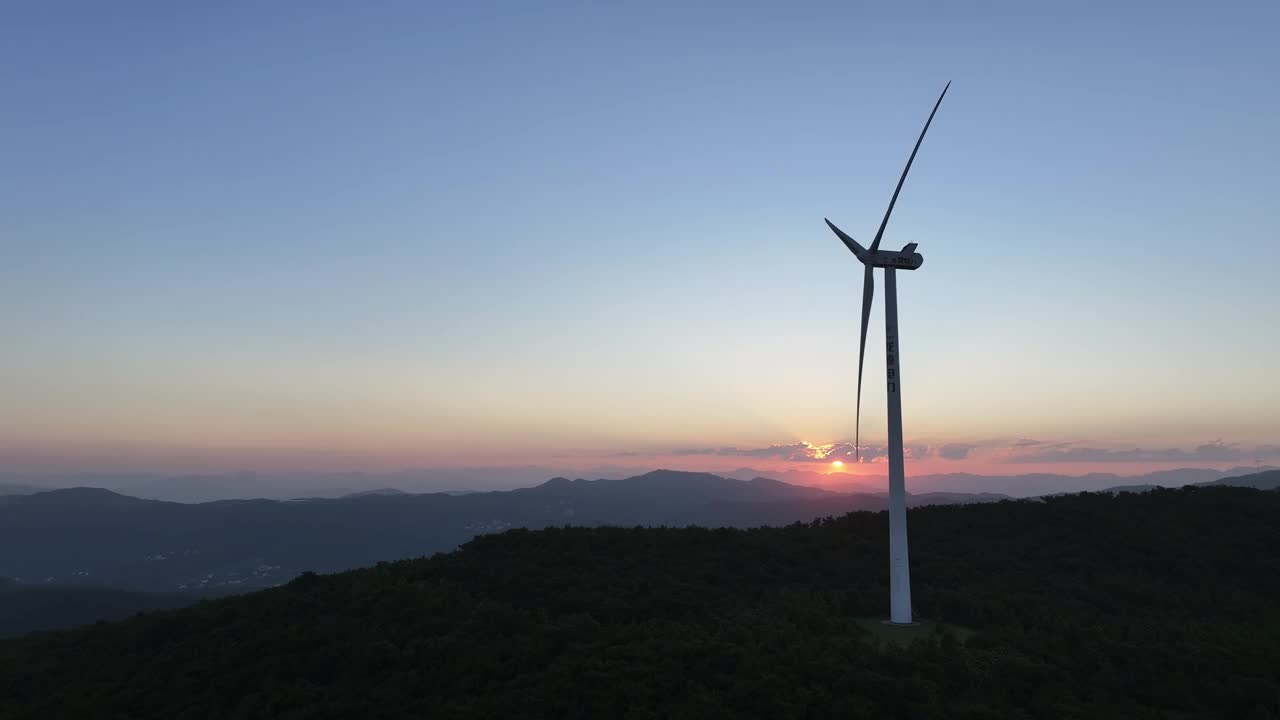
(1164, 604)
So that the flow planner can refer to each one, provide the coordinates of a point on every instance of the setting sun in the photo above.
(837, 463)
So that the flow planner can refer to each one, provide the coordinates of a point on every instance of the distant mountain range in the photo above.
(1269, 480)
(1266, 480)
(379, 491)
(99, 549)
(1037, 484)
(28, 608)
(95, 536)
(208, 487)
(457, 481)
(17, 489)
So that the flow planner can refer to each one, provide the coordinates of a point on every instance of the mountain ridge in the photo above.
(153, 545)
(288, 486)
(87, 534)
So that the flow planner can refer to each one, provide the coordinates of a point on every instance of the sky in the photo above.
(364, 236)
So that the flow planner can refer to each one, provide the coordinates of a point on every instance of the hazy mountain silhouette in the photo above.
(1131, 488)
(1268, 480)
(378, 491)
(1036, 484)
(209, 487)
(91, 535)
(285, 486)
(1016, 486)
(27, 608)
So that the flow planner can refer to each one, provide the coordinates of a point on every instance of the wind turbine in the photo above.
(905, 259)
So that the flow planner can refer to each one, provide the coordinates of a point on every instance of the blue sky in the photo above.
(461, 234)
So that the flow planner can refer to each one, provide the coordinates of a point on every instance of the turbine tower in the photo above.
(905, 259)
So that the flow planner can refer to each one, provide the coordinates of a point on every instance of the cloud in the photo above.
(1022, 450)
(796, 451)
(807, 452)
(802, 452)
(1216, 451)
(917, 452)
(955, 451)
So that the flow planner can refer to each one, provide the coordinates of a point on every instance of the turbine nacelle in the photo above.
(901, 260)
(905, 259)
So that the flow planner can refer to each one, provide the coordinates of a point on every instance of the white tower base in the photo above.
(899, 572)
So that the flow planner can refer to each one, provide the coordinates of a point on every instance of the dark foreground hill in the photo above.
(1159, 605)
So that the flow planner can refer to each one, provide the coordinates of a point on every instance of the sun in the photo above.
(837, 463)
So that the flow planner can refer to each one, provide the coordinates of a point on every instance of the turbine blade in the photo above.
(859, 251)
(875, 244)
(868, 293)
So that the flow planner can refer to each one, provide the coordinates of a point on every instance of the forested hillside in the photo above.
(1159, 605)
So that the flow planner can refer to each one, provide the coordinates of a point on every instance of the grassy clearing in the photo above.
(904, 634)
